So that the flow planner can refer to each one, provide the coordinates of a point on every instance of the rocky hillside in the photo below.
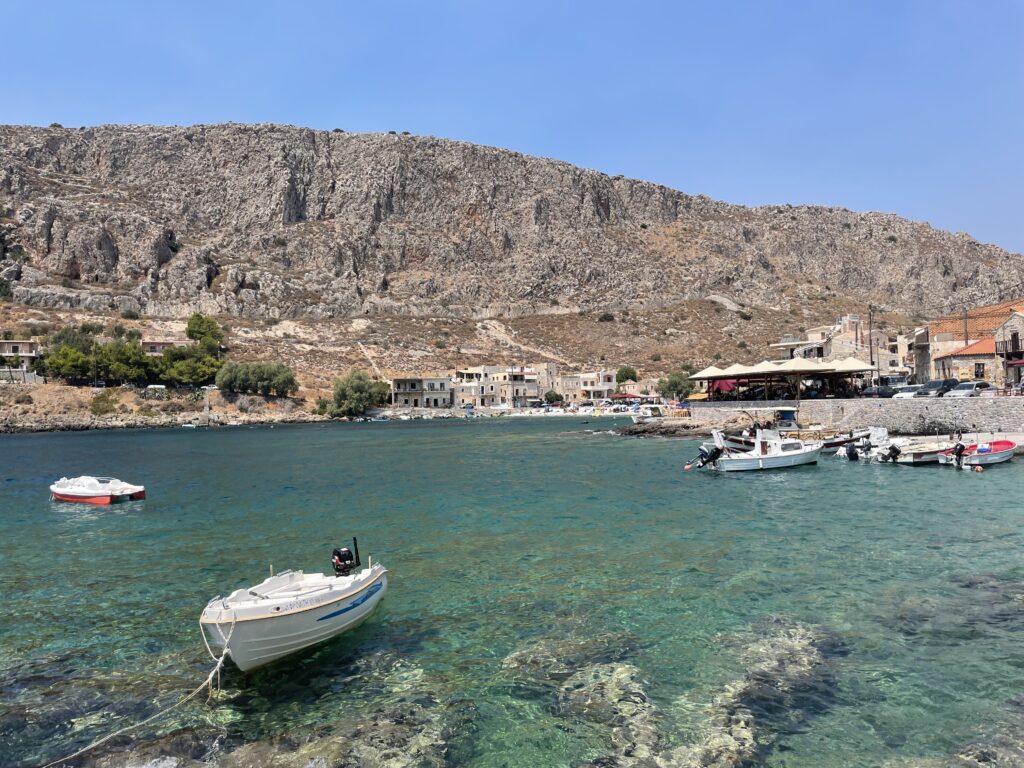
(268, 221)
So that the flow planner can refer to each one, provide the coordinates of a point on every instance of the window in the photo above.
(979, 370)
(14, 349)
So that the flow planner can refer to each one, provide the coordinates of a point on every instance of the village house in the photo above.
(1010, 348)
(422, 390)
(975, 361)
(156, 348)
(490, 385)
(850, 336)
(26, 350)
(597, 385)
(955, 332)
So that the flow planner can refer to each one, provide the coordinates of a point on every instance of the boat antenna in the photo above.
(355, 549)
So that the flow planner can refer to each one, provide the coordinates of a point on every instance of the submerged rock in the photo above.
(569, 648)
(613, 695)
(788, 680)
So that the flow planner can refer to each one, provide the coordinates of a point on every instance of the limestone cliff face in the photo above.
(268, 220)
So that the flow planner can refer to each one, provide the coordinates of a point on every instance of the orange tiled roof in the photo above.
(986, 346)
(980, 321)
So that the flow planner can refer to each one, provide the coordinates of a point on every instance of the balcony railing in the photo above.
(1009, 347)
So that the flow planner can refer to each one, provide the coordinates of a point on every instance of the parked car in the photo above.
(968, 389)
(907, 391)
(881, 390)
(936, 387)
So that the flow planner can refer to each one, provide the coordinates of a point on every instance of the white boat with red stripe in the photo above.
(95, 490)
(292, 611)
(978, 454)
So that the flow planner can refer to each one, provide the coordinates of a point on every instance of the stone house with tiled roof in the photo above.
(975, 361)
(954, 332)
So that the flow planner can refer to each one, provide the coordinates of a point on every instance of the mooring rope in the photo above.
(205, 684)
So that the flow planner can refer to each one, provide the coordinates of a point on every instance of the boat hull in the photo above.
(748, 463)
(977, 459)
(254, 643)
(99, 499)
(830, 445)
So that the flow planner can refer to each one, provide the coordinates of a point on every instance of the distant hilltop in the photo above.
(269, 221)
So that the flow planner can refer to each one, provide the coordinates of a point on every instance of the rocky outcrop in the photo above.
(275, 221)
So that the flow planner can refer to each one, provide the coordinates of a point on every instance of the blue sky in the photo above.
(911, 107)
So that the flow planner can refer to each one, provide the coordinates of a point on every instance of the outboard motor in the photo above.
(708, 455)
(892, 453)
(344, 561)
(851, 452)
(958, 454)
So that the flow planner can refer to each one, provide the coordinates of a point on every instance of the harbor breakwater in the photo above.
(912, 416)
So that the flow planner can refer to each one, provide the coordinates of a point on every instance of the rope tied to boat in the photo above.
(207, 683)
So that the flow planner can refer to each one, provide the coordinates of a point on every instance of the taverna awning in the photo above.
(852, 365)
(708, 373)
(781, 369)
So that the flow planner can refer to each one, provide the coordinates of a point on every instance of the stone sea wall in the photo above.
(914, 416)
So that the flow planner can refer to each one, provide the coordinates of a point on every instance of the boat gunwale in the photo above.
(235, 619)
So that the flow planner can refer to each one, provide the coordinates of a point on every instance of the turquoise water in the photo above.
(497, 532)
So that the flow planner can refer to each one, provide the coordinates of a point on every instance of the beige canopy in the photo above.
(851, 365)
(710, 372)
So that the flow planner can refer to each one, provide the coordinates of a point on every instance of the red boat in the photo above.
(978, 454)
(95, 490)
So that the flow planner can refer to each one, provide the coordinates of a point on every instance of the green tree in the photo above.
(201, 327)
(677, 385)
(69, 363)
(262, 377)
(186, 366)
(625, 373)
(552, 397)
(354, 395)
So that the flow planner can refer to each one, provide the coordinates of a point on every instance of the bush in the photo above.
(742, 345)
(354, 395)
(103, 403)
(551, 396)
(23, 399)
(280, 242)
(129, 314)
(6, 291)
(249, 404)
(745, 315)
(890, 239)
(656, 357)
(440, 344)
(606, 317)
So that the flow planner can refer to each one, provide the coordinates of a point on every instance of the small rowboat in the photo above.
(289, 612)
(95, 490)
(978, 454)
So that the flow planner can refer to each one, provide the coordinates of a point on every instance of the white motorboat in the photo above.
(95, 490)
(770, 451)
(291, 611)
(648, 413)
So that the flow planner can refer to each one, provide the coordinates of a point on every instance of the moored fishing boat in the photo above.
(292, 611)
(95, 490)
(977, 454)
(922, 453)
(770, 451)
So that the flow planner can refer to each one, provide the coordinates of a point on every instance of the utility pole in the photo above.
(871, 346)
(966, 340)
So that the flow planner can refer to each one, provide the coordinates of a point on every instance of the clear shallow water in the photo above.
(497, 532)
